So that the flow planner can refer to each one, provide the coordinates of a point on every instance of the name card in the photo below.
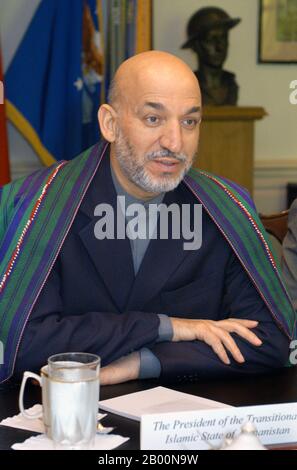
(198, 430)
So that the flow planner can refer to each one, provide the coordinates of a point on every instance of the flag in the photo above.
(143, 26)
(61, 70)
(131, 27)
(127, 31)
(4, 157)
(53, 82)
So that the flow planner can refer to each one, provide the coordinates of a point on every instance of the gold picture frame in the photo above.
(277, 31)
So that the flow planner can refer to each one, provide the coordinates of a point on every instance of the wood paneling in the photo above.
(226, 145)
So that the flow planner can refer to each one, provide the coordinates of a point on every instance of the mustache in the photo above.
(180, 157)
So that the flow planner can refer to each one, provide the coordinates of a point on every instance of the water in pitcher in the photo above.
(74, 406)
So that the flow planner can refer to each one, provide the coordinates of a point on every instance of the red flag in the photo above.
(4, 158)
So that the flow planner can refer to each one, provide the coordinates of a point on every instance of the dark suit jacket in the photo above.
(92, 301)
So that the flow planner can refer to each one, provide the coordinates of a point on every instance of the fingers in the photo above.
(232, 347)
(220, 339)
(246, 323)
(219, 349)
(217, 335)
(242, 328)
(248, 335)
(219, 342)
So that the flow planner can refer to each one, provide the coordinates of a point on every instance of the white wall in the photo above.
(15, 15)
(264, 85)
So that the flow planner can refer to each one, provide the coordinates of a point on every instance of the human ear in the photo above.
(107, 122)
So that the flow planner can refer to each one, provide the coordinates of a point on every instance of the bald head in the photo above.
(154, 113)
(152, 72)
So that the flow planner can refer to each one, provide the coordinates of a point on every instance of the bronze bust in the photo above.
(208, 31)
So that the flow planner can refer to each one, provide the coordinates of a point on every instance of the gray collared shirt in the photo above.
(146, 226)
(149, 364)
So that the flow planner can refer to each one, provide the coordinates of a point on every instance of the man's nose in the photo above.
(171, 138)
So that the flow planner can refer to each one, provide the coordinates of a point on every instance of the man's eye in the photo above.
(152, 120)
(190, 123)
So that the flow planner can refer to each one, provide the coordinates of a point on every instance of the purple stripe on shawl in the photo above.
(16, 219)
(41, 175)
(88, 169)
(218, 217)
(249, 201)
(2, 320)
(242, 191)
(27, 181)
(14, 332)
(247, 257)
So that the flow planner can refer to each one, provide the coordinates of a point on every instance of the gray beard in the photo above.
(135, 171)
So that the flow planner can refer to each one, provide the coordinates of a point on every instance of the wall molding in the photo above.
(270, 183)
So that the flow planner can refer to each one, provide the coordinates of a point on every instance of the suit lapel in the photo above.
(161, 259)
(112, 258)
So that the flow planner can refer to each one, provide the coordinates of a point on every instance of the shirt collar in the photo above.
(131, 199)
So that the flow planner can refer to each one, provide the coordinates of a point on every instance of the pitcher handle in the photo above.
(24, 412)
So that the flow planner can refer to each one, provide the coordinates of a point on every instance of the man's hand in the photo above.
(216, 334)
(122, 370)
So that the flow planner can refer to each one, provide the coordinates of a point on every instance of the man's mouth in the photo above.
(166, 164)
(167, 160)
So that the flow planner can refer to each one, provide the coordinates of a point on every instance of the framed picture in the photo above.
(278, 31)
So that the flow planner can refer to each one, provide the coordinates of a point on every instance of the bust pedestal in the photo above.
(226, 145)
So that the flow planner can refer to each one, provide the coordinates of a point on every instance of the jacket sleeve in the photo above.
(289, 258)
(196, 360)
(109, 334)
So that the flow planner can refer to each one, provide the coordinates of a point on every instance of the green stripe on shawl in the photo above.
(39, 235)
(248, 237)
(8, 208)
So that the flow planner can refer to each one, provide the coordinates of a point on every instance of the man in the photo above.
(289, 258)
(71, 279)
(208, 31)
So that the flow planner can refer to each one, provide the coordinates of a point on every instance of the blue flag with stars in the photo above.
(54, 81)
